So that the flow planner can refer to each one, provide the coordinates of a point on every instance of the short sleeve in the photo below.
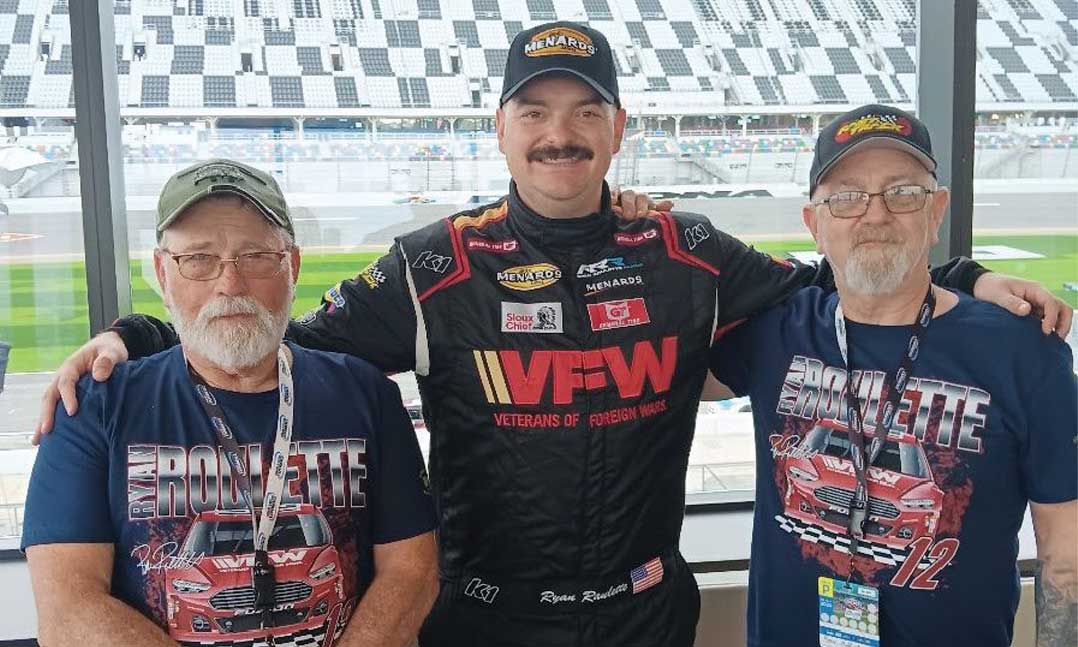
(1050, 455)
(402, 506)
(68, 497)
(730, 356)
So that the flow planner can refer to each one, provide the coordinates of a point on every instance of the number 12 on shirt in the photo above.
(938, 556)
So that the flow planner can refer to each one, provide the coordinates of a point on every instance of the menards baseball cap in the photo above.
(222, 176)
(566, 47)
(871, 125)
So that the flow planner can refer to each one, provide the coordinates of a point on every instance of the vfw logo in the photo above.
(512, 377)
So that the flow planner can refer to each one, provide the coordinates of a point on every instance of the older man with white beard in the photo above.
(901, 428)
(234, 489)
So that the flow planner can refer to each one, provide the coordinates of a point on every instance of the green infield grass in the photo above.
(43, 312)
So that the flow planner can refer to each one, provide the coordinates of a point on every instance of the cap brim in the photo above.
(603, 92)
(267, 213)
(882, 141)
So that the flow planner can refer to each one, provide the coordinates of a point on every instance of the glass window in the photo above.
(43, 301)
(1025, 207)
(724, 98)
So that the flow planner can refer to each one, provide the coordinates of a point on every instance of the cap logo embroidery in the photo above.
(559, 41)
(223, 171)
(873, 124)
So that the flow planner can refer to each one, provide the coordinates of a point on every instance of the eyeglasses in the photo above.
(906, 198)
(207, 267)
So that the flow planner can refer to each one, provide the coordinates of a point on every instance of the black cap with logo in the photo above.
(566, 47)
(871, 125)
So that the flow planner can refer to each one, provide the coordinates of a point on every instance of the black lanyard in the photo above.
(894, 386)
(262, 580)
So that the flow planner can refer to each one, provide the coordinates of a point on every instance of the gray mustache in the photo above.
(571, 151)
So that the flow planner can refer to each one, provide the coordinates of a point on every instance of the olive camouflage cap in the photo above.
(218, 176)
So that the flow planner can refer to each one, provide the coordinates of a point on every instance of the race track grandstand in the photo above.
(305, 57)
(398, 94)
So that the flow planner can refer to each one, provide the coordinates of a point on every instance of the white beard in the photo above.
(875, 271)
(233, 346)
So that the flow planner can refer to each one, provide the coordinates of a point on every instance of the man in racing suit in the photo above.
(559, 441)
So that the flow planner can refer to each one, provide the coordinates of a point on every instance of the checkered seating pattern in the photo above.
(451, 53)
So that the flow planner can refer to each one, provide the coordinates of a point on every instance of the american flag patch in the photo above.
(647, 575)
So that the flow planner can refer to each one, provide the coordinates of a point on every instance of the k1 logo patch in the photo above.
(695, 235)
(428, 260)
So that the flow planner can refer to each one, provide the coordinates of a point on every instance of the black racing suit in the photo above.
(560, 364)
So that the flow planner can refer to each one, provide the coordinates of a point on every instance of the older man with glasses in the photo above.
(901, 428)
(234, 489)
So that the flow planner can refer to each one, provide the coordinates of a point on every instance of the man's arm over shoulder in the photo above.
(959, 273)
(71, 585)
(748, 280)
(144, 335)
(755, 280)
(371, 316)
(378, 316)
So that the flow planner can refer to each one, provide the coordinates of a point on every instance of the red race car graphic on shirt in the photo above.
(211, 600)
(904, 502)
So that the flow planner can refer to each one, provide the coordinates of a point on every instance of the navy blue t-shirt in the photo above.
(986, 424)
(139, 467)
